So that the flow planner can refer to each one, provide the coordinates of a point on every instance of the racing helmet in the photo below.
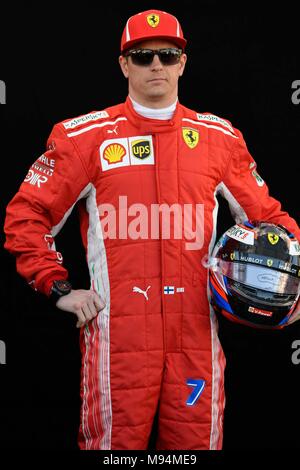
(152, 24)
(254, 275)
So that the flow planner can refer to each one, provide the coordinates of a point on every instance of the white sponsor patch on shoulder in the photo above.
(294, 248)
(214, 119)
(86, 118)
(241, 234)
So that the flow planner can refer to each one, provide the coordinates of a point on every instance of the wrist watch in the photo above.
(59, 288)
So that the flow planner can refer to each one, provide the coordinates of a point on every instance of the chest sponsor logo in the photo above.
(113, 131)
(214, 119)
(114, 153)
(137, 150)
(86, 118)
(190, 137)
(140, 149)
(141, 291)
(153, 20)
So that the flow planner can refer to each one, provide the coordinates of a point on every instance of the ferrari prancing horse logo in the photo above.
(153, 20)
(190, 136)
(273, 238)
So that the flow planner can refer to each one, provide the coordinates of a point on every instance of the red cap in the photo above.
(152, 24)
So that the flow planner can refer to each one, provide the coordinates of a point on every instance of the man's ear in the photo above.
(183, 60)
(124, 65)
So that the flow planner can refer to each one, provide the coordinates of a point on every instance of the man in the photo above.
(148, 337)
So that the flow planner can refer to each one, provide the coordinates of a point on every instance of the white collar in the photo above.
(153, 113)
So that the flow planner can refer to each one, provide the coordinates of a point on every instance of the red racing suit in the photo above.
(154, 346)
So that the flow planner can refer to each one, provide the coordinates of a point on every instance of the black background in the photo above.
(60, 64)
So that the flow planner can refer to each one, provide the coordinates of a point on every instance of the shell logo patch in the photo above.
(114, 153)
(273, 238)
(153, 20)
(126, 151)
(190, 136)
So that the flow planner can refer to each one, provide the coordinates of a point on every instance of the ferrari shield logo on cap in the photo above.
(190, 136)
(153, 20)
(273, 238)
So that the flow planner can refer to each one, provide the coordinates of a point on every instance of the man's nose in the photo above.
(156, 63)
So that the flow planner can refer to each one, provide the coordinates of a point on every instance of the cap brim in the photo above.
(180, 42)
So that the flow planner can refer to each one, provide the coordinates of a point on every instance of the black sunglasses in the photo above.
(167, 56)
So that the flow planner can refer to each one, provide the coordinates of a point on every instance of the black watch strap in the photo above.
(59, 288)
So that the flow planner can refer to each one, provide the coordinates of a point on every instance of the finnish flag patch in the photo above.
(169, 290)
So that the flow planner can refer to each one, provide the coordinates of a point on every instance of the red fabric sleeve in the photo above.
(248, 194)
(36, 213)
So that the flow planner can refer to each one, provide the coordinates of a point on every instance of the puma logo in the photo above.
(109, 131)
(140, 291)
